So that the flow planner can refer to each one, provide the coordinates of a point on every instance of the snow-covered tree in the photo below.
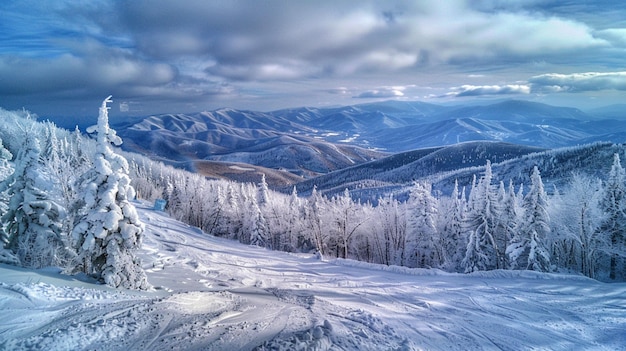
(347, 219)
(423, 242)
(481, 221)
(507, 223)
(255, 225)
(5, 167)
(614, 226)
(317, 227)
(580, 217)
(451, 222)
(528, 249)
(389, 231)
(33, 219)
(109, 231)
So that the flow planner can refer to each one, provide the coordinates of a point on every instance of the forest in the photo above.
(66, 200)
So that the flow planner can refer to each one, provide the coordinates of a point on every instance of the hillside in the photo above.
(309, 142)
(239, 137)
(405, 167)
(215, 294)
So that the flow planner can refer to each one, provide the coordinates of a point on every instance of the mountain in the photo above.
(617, 111)
(403, 168)
(308, 142)
(239, 137)
(518, 122)
(442, 166)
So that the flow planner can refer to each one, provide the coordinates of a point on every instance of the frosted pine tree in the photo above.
(255, 225)
(528, 248)
(5, 167)
(6, 256)
(481, 221)
(424, 244)
(32, 221)
(109, 232)
(453, 244)
(614, 226)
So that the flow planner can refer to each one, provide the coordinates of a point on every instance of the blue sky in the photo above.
(63, 57)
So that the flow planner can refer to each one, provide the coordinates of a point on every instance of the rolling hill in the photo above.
(309, 142)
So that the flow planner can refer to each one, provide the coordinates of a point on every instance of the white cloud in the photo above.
(479, 90)
(382, 92)
(579, 82)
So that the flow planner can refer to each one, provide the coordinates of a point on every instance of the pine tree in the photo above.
(528, 248)
(507, 223)
(481, 222)
(424, 243)
(255, 225)
(614, 226)
(5, 167)
(109, 231)
(33, 220)
(6, 256)
(453, 243)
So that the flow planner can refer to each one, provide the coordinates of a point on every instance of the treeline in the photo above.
(484, 225)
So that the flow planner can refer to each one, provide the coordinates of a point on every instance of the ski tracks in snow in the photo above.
(214, 294)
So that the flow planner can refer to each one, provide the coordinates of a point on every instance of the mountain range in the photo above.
(297, 145)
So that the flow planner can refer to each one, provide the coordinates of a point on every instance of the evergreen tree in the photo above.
(255, 225)
(109, 231)
(528, 248)
(33, 220)
(453, 240)
(614, 226)
(6, 256)
(424, 243)
(5, 167)
(507, 223)
(481, 221)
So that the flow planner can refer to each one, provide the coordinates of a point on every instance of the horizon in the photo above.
(62, 58)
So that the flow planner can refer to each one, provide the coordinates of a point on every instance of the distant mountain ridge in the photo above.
(309, 142)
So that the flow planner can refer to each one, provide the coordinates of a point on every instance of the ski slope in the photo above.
(215, 294)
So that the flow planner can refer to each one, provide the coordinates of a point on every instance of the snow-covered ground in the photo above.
(214, 294)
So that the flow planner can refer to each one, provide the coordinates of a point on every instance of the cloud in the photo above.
(479, 90)
(617, 36)
(579, 82)
(74, 73)
(382, 92)
(268, 52)
(278, 40)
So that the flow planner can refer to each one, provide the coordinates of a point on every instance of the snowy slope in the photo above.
(213, 294)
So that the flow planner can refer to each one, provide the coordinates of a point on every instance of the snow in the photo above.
(215, 294)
